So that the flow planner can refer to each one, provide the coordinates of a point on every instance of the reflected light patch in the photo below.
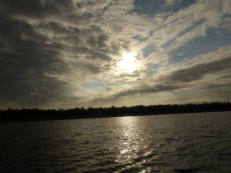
(127, 63)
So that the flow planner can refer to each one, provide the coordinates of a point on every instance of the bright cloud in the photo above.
(68, 53)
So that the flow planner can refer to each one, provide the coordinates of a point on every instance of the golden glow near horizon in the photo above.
(127, 64)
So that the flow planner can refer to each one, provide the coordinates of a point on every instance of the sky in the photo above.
(102, 53)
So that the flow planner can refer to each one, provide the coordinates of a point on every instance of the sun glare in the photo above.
(127, 63)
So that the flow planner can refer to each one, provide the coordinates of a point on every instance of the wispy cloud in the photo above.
(53, 52)
(178, 79)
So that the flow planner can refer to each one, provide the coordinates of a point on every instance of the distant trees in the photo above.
(38, 114)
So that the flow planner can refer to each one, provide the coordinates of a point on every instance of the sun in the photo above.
(127, 64)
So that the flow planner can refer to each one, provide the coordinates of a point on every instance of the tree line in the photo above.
(52, 114)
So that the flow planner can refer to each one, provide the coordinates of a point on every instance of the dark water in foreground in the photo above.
(165, 143)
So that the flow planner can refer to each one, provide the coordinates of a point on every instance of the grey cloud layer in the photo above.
(36, 8)
(199, 71)
(35, 46)
(48, 48)
(178, 79)
(24, 59)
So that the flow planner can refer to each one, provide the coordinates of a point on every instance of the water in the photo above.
(198, 142)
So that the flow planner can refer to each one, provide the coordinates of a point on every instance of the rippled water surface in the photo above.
(198, 142)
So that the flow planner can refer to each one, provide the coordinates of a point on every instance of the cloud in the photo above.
(49, 49)
(199, 71)
(25, 58)
(135, 91)
(176, 80)
(43, 53)
(36, 9)
(182, 27)
(170, 2)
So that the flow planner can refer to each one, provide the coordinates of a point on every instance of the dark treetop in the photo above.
(39, 114)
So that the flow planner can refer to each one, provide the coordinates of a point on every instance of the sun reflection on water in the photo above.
(129, 142)
(133, 149)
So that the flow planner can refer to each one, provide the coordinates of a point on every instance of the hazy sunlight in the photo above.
(127, 63)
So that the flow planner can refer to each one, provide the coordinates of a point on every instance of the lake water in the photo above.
(199, 142)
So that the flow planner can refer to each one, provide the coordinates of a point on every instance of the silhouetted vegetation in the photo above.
(39, 114)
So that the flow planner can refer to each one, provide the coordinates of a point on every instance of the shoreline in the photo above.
(15, 115)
